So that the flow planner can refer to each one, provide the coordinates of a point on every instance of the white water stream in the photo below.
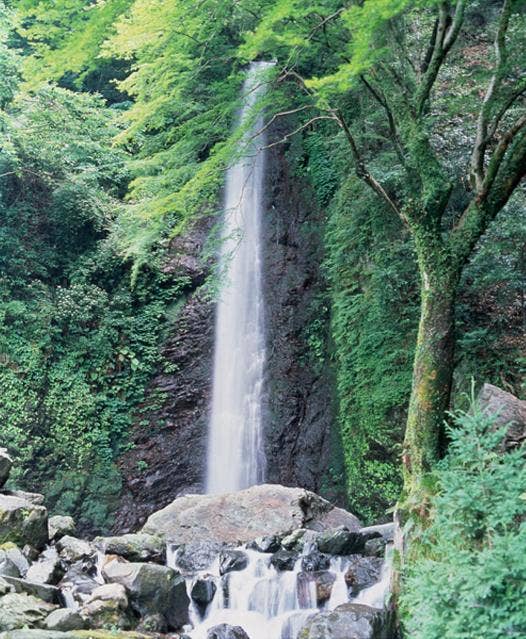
(272, 604)
(235, 446)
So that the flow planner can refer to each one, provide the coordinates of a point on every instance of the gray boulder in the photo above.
(80, 579)
(49, 569)
(60, 525)
(203, 591)
(341, 542)
(19, 610)
(284, 559)
(64, 619)
(72, 549)
(362, 572)
(230, 560)
(225, 631)
(134, 547)
(259, 511)
(42, 591)
(265, 544)
(323, 581)
(315, 560)
(350, 621)
(5, 587)
(152, 589)
(191, 558)
(22, 522)
(507, 411)
(34, 498)
(6, 464)
(107, 607)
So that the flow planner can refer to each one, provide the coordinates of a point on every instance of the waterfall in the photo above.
(235, 445)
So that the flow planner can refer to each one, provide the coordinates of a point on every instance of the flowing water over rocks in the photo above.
(276, 601)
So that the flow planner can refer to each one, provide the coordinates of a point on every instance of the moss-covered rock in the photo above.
(22, 522)
(19, 610)
(135, 547)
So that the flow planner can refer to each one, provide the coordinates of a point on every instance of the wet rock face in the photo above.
(169, 436)
(225, 631)
(300, 417)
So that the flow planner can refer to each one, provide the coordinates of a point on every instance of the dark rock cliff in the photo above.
(169, 438)
(302, 442)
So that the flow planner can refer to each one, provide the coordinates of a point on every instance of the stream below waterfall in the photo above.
(274, 604)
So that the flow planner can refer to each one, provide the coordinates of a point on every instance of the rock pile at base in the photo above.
(56, 586)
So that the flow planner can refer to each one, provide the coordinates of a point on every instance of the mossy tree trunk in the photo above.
(432, 375)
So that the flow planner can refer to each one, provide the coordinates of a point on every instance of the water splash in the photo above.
(235, 445)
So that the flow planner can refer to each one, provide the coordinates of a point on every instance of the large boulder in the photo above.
(134, 547)
(19, 610)
(80, 579)
(191, 558)
(507, 410)
(60, 525)
(6, 464)
(323, 581)
(22, 522)
(362, 572)
(341, 542)
(230, 560)
(349, 621)
(45, 592)
(64, 619)
(203, 591)
(72, 549)
(259, 511)
(153, 590)
(49, 569)
(107, 607)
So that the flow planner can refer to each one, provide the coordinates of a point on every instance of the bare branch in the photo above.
(281, 114)
(382, 100)
(482, 138)
(520, 90)
(498, 156)
(298, 130)
(447, 30)
(361, 169)
(323, 22)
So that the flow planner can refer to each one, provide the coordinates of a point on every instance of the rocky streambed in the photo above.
(268, 562)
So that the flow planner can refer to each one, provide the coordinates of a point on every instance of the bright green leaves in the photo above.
(468, 570)
(8, 59)
(65, 36)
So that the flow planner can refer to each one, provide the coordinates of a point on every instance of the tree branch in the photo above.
(447, 30)
(483, 209)
(482, 138)
(361, 169)
(298, 130)
(382, 100)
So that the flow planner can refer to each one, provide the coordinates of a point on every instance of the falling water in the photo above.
(235, 448)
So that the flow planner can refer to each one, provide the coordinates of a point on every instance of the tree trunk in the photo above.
(432, 377)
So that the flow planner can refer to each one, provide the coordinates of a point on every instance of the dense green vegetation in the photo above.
(115, 130)
(470, 569)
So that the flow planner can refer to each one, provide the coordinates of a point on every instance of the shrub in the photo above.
(467, 573)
